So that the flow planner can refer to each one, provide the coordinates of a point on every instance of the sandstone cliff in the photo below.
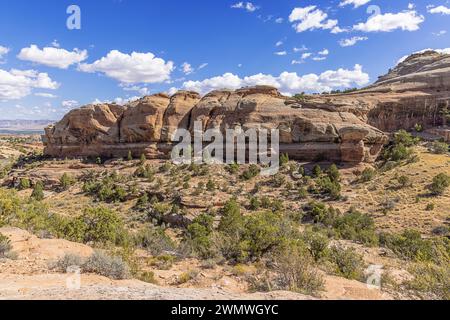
(344, 127)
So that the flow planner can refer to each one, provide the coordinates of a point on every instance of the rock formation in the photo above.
(345, 127)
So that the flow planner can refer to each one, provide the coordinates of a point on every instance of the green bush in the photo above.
(108, 189)
(317, 244)
(409, 245)
(68, 260)
(319, 213)
(199, 236)
(430, 281)
(333, 173)
(66, 181)
(330, 188)
(347, 263)
(98, 225)
(317, 171)
(233, 168)
(251, 172)
(404, 138)
(255, 204)
(357, 227)
(38, 191)
(440, 183)
(24, 183)
(368, 174)
(284, 159)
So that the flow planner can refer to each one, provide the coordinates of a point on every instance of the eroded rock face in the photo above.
(147, 125)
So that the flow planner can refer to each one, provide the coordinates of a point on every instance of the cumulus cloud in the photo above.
(3, 51)
(280, 53)
(187, 68)
(406, 21)
(52, 57)
(440, 9)
(302, 48)
(287, 82)
(131, 68)
(306, 55)
(16, 84)
(355, 3)
(324, 52)
(311, 18)
(279, 20)
(248, 6)
(319, 58)
(351, 41)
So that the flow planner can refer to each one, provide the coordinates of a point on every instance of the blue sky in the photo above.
(296, 45)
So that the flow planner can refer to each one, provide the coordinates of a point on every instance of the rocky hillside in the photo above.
(336, 127)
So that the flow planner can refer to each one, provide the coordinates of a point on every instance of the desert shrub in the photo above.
(284, 159)
(187, 276)
(356, 226)
(418, 127)
(147, 276)
(409, 245)
(403, 181)
(316, 171)
(38, 191)
(154, 240)
(439, 147)
(142, 201)
(210, 185)
(398, 152)
(162, 262)
(233, 168)
(440, 183)
(430, 207)
(329, 188)
(317, 244)
(105, 265)
(319, 213)
(68, 260)
(130, 156)
(277, 180)
(333, 173)
(142, 159)
(252, 171)
(24, 183)
(255, 204)
(198, 235)
(147, 172)
(295, 271)
(99, 225)
(66, 181)
(5, 246)
(430, 281)
(405, 138)
(108, 189)
(367, 175)
(302, 193)
(347, 263)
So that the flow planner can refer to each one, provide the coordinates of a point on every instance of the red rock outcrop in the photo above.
(344, 127)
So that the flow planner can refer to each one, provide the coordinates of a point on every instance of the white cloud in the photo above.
(319, 58)
(411, 6)
(16, 84)
(440, 9)
(286, 82)
(52, 57)
(355, 3)
(172, 91)
(3, 51)
(45, 95)
(311, 18)
(142, 90)
(250, 7)
(306, 55)
(55, 44)
(279, 44)
(202, 66)
(351, 41)
(303, 48)
(281, 53)
(279, 20)
(406, 21)
(70, 103)
(324, 52)
(440, 33)
(187, 68)
(134, 68)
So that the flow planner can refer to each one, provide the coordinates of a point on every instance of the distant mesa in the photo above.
(344, 127)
